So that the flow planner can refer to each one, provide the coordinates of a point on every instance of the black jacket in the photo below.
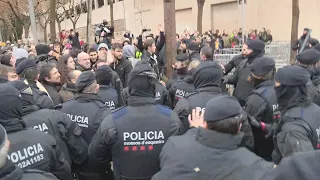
(299, 43)
(12, 172)
(53, 93)
(162, 95)
(41, 98)
(88, 111)
(205, 149)
(66, 132)
(75, 41)
(109, 96)
(123, 67)
(233, 63)
(152, 60)
(154, 124)
(180, 89)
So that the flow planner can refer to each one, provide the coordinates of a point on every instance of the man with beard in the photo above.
(299, 43)
(262, 105)
(122, 66)
(309, 59)
(50, 78)
(242, 78)
(297, 130)
(83, 62)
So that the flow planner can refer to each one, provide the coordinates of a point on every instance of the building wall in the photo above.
(226, 15)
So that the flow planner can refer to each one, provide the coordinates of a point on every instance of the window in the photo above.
(114, 1)
(84, 7)
(93, 4)
(100, 3)
(78, 9)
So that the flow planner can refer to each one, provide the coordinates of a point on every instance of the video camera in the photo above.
(104, 29)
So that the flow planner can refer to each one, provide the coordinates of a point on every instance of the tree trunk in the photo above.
(111, 15)
(89, 18)
(294, 28)
(74, 23)
(200, 14)
(26, 30)
(45, 34)
(52, 18)
(59, 29)
(170, 30)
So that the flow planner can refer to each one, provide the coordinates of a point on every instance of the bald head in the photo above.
(83, 60)
(73, 76)
(206, 53)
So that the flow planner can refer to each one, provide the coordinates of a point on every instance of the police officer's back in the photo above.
(262, 105)
(67, 133)
(27, 70)
(29, 148)
(107, 94)
(297, 130)
(214, 141)
(309, 59)
(9, 171)
(242, 78)
(132, 136)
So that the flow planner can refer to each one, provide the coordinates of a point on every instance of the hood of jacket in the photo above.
(208, 73)
(128, 51)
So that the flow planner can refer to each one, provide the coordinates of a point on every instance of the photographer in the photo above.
(74, 38)
(105, 32)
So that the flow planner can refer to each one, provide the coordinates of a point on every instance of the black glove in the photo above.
(254, 122)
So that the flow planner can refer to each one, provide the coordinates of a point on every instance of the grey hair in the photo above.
(90, 89)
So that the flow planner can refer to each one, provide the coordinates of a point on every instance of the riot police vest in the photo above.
(32, 152)
(44, 121)
(309, 115)
(182, 90)
(200, 99)
(272, 113)
(85, 115)
(109, 97)
(141, 133)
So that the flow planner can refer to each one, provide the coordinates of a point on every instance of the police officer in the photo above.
(107, 94)
(67, 133)
(207, 78)
(262, 105)
(27, 70)
(181, 68)
(88, 111)
(183, 86)
(29, 148)
(242, 78)
(193, 51)
(297, 130)
(132, 136)
(309, 59)
(161, 95)
(9, 171)
(215, 143)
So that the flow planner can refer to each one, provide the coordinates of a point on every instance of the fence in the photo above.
(279, 51)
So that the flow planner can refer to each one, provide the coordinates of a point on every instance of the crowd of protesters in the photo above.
(69, 111)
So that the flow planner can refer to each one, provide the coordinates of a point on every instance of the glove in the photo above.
(225, 80)
(254, 122)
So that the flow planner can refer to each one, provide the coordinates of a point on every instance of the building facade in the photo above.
(226, 15)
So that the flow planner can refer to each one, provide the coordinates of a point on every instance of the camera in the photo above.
(104, 29)
(144, 30)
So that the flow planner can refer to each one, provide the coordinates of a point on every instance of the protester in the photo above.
(93, 56)
(83, 62)
(40, 146)
(68, 90)
(157, 123)
(65, 66)
(50, 79)
(7, 73)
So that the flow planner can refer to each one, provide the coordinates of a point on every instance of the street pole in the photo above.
(33, 21)
(243, 22)
(89, 24)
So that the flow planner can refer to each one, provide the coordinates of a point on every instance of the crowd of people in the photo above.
(109, 112)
